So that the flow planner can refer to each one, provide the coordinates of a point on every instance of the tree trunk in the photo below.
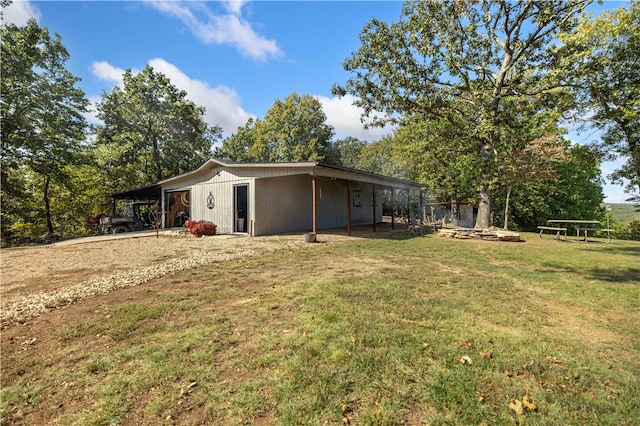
(454, 209)
(47, 204)
(506, 208)
(157, 159)
(483, 221)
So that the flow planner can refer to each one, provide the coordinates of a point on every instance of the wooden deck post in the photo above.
(314, 203)
(373, 202)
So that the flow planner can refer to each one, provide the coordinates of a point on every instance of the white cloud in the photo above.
(107, 72)
(19, 12)
(222, 104)
(234, 6)
(229, 28)
(345, 118)
(614, 194)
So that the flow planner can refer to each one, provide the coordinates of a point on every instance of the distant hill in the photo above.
(624, 213)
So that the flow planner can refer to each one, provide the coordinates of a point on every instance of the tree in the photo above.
(629, 231)
(574, 189)
(444, 60)
(440, 156)
(579, 187)
(378, 157)
(603, 55)
(151, 131)
(237, 147)
(292, 130)
(42, 123)
(348, 151)
(532, 163)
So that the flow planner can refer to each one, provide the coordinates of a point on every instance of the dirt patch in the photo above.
(50, 340)
(40, 279)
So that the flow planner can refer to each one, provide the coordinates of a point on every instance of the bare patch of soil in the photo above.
(40, 279)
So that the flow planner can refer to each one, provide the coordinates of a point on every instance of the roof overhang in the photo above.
(147, 192)
(319, 169)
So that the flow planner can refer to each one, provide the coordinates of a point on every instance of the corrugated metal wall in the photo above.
(283, 204)
(362, 214)
(219, 184)
(277, 204)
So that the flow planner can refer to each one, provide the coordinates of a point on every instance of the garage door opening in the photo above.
(178, 211)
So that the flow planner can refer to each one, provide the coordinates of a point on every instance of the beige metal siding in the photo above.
(331, 203)
(279, 198)
(364, 213)
(218, 183)
(283, 204)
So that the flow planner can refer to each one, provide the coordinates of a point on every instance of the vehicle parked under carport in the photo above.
(137, 216)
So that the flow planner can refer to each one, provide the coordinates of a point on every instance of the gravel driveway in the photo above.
(39, 279)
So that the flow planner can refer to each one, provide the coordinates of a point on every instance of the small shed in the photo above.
(276, 198)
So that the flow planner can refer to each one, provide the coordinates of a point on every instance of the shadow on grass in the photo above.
(603, 246)
(613, 248)
(619, 275)
(629, 275)
(383, 231)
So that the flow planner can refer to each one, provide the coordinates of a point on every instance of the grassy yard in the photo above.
(385, 331)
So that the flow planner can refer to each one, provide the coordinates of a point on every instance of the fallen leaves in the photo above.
(519, 407)
(188, 390)
(527, 404)
(467, 345)
(516, 406)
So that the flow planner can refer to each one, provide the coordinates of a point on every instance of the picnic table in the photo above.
(584, 226)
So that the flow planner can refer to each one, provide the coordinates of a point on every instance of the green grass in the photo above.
(371, 332)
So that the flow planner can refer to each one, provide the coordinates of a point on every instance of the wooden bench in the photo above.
(553, 228)
(586, 231)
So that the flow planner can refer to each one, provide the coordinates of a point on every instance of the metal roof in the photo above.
(147, 192)
(320, 169)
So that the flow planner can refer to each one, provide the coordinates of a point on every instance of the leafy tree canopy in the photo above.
(42, 123)
(568, 188)
(151, 131)
(603, 66)
(461, 62)
(292, 130)
(348, 151)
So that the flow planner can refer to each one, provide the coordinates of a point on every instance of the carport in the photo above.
(151, 192)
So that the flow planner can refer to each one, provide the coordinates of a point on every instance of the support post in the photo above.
(315, 201)
(349, 208)
(393, 208)
(162, 213)
(373, 202)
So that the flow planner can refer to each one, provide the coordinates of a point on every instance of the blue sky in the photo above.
(235, 58)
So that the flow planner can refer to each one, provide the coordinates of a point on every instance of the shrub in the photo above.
(630, 231)
(199, 228)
